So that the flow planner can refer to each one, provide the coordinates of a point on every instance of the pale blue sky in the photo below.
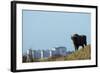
(45, 29)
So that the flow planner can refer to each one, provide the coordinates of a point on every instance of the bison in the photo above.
(79, 40)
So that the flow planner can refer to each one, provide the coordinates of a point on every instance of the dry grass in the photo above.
(82, 54)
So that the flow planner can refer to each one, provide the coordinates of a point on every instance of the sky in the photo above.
(49, 29)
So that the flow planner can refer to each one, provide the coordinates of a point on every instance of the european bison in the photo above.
(79, 40)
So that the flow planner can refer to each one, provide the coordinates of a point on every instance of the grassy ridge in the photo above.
(82, 54)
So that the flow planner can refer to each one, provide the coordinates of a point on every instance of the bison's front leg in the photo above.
(85, 43)
(76, 48)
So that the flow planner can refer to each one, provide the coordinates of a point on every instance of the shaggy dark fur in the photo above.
(79, 40)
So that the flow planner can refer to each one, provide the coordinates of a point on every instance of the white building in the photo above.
(37, 54)
(29, 55)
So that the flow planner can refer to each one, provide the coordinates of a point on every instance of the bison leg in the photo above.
(76, 48)
(83, 45)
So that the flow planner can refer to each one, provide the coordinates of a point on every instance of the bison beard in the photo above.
(79, 40)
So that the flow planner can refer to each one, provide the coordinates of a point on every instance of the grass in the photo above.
(82, 54)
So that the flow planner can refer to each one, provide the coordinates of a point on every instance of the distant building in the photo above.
(29, 55)
(61, 51)
(46, 53)
(37, 54)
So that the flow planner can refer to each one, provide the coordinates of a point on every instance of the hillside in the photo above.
(82, 54)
